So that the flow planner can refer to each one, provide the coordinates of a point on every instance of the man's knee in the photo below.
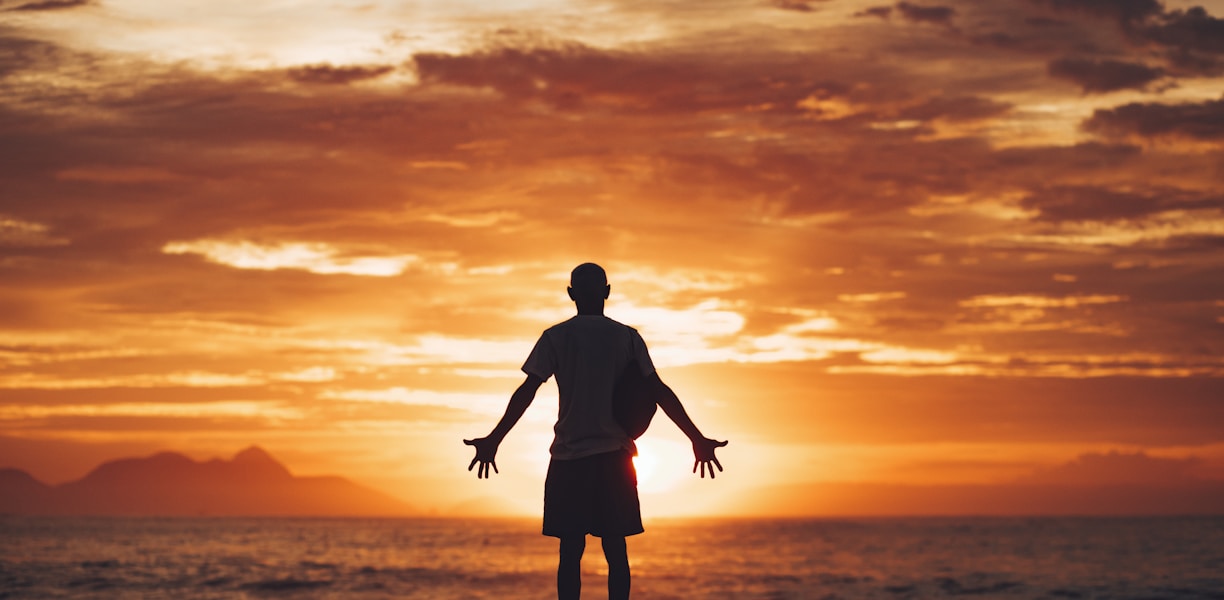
(614, 550)
(572, 547)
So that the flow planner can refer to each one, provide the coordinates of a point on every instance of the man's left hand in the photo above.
(486, 453)
(703, 455)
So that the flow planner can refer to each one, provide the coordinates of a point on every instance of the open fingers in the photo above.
(707, 465)
(483, 471)
(470, 442)
(473, 463)
(720, 444)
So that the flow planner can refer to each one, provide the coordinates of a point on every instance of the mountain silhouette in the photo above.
(171, 484)
(22, 493)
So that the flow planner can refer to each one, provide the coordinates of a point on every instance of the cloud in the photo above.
(202, 410)
(939, 15)
(337, 75)
(19, 233)
(1117, 468)
(1122, 11)
(426, 349)
(490, 405)
(1097, 76)
(795, 5)
(955, 109)
(319, 258)
(1202, 121)
(1015, 313)
(871, 297)
(452, 165)
(1188, 30)
(308, 375)
(575, 77)
(46, 5)
(565, 77)
(195, 379)
(904, 356)
(117, 174)
(1085, 203)
(1191, 38)
(1160, 229)
(992, 402)
(1035, 301)
(882, 12)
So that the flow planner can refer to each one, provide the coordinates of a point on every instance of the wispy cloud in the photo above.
(1037, 301)
(178, 379)
(320, 258)
(51, 5)
(16, 232)
(267, 410)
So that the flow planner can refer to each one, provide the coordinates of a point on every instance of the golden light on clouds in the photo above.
(15, 232)
(314, 257)
(852, 232)
(189, 410)
(1040, 301)
(488, 405)
(871, 297)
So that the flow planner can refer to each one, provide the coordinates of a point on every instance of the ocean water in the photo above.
(187, 558)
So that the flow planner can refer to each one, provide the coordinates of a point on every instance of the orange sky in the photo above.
(936, 243)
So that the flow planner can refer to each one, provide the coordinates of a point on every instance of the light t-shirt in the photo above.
(587, 353)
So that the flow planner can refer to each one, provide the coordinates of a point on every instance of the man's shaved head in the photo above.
(588, 277)
(589, 288)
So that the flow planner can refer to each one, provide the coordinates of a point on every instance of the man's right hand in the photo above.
(703, 455)
(486, 452)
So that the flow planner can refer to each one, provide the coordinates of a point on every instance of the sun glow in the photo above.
(661, 465)
(645, 465)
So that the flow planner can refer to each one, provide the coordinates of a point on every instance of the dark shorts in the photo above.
(594, 495)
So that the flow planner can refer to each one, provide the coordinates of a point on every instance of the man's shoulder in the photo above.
(559, 327)
(611, 323)
(589, 323)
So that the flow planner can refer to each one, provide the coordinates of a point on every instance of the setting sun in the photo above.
(661, 465)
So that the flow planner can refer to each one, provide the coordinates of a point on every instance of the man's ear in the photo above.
(607, 291)
(570, 291)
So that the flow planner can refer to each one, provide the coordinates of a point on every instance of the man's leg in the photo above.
(618, 567)
(569, 568)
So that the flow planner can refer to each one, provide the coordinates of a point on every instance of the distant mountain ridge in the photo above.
(252, 483)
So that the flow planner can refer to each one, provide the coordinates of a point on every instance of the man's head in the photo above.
(588, 283)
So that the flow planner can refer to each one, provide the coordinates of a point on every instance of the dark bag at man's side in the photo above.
(633, 403)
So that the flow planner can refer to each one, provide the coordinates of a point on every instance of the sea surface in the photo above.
(186, 558)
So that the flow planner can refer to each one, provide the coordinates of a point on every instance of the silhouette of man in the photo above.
(591, 487)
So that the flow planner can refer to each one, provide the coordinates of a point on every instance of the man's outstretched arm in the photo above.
(486, 447)
(703, 447)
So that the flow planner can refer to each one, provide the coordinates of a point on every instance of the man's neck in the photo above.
(595, 309)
